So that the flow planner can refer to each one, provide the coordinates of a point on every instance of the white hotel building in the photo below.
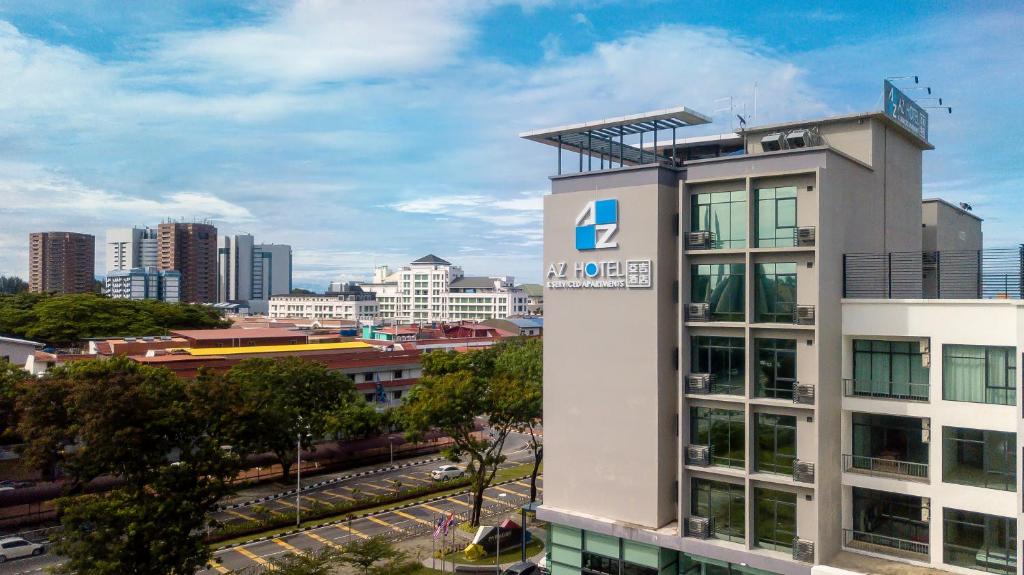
(431, 289)
(766, 353)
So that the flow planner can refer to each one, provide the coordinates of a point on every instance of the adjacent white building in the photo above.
(252, 273)
(350, 302)
(129, 248)
(144, 283)
(432, 289)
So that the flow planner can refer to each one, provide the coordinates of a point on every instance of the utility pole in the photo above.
(298, 479)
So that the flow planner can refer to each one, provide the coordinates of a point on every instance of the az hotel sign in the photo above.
(597, 227)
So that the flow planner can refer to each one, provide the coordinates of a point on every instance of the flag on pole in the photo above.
(439, 527)
(448, 522)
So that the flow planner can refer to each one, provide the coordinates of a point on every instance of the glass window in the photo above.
(722, 429)
(594, 563)
(775, 519)
(883, 518)
(722, 287)
(724, 214)
(776, 217)
(889, 369)
(776, 367)
(980, 458)
(979, 374)
(723, 502)
(775, 292)
(979, 541)
(776, 443)
(882, 442)
(722, 357)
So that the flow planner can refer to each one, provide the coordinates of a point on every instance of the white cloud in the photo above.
(516, 211)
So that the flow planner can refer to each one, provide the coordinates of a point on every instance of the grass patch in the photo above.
(512, 555)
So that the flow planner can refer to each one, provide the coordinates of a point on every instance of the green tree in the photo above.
(283, 400)
(11, 377)
(321, 562)
(12, 285)
(166, 439)
(357, 420)
(522, 361)
(366, 553)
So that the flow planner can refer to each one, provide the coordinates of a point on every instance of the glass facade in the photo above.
(776, 367)
(776, 217)
(776, 443)
(883, 442)
(722, 287)
(723, 430)
(979, 374)
(980, 458)
(889, 369)
(889, 519)
(775, 519)
(722, 357)
(979, 541)
(724, 214)
(574, 552)
(775, 292)
(723, 502)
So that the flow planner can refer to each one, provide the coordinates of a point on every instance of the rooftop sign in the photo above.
(905, 111)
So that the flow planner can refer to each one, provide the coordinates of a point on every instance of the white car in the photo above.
(16, 547)
(446, 472)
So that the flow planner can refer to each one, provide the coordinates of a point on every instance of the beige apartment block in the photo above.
(765, 352)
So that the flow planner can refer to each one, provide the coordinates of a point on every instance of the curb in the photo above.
(360, 516)
(290, 492)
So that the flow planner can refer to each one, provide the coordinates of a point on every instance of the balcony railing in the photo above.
(886, 389)
(851, 538)
(881, 466)
(995, 273)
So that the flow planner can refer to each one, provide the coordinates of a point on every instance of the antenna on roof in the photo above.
(966, 207)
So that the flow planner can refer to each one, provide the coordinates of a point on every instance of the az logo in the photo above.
(597, 224)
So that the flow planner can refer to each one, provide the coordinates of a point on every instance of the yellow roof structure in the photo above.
(207, 351)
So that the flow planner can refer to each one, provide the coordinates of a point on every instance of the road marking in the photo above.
(355, 532)
(240, 514)
(219, 568)
(434, 509)
(380, 521)
(500, 488)
(539, 488)
(416, 478)
(288, 546)
(459, 501)
(333, 494)
(323, 540)
(254, 557)
(413, 517)
(494, 500)
(375, 486)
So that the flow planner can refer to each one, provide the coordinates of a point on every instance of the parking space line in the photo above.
(219, 568)
(375, 486)
(495, 500)
(459, 501)
(333, 494)
(353, 531)
(539, 488)
(288, 546)
(323, 540)
(380, 521)
(240, 514)
(416, 478)
(413, 517)
(254, 557)
(432, 508)
(500, 488)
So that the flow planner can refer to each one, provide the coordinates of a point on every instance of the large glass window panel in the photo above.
(722, 357)
(723, 502)
(776, 367)
(724, 214)
(889, 369)
(722, 287)
(883, 518)
(776, 217)
(723, 430)
(776, 443)
(775, 519)
(882, 442)
(979, 374)
(775, 292)
(979, 541)
(980, 458)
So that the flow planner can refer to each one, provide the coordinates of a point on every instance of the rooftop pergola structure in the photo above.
(606, 139)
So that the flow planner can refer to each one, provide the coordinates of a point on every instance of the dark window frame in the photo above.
(770, 386)
(775, 427)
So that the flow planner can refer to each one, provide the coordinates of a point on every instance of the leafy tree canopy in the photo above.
(12, 285)
(11, 376)
(64, 320)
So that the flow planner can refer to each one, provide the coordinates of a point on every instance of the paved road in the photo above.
(393, 523)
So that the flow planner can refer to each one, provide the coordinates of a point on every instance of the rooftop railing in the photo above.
(995, 273)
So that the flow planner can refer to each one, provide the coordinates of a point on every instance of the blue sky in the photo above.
(366, 133)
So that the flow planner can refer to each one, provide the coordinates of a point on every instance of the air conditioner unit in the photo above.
(803, 393)
(699, 240)
(803, 471)
(699, 382)
(800, 139)
(699, 527)
(804, 315)
(805, 236)
(803, 550)
(698, 312)
(773, 142)
(698, 455)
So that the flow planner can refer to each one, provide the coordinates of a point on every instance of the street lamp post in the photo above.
(298, 479)
(391, 449)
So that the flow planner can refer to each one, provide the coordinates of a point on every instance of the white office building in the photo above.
(432, 289)
(350, 302)
(252, 273)
(143, 283)
(129, 248)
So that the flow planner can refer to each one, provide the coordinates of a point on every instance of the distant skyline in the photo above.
(369, 133)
